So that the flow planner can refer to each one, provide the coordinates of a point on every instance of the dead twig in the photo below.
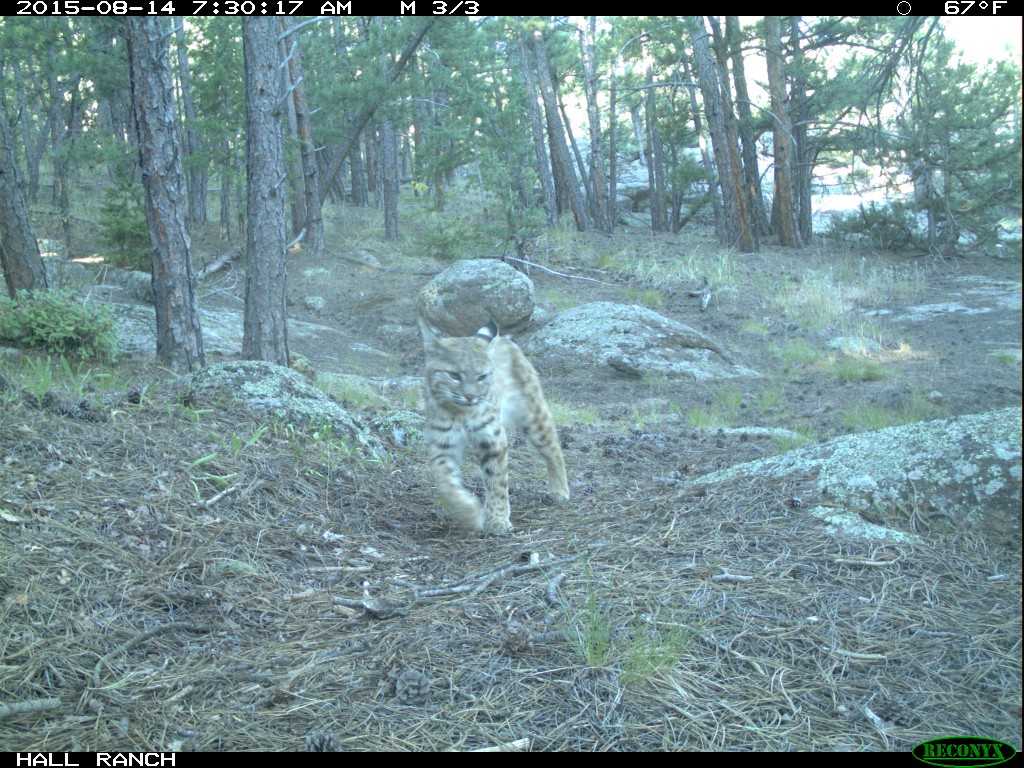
(27, 707)
(219, 263)
(477, 584)
(556, 274)
(217, 497)
(856, 656)
(733, 578)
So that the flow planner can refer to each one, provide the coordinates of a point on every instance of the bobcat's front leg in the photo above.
(493, 452)
(460, 503)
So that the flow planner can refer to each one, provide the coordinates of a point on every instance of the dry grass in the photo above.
(321, 600)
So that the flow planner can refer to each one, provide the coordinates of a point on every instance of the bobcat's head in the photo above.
(459, 369)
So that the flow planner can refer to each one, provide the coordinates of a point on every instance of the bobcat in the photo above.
(472, 385)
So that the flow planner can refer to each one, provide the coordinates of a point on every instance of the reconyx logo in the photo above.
(959, 751)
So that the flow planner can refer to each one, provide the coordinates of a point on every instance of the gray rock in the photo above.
(855, 345)
(631, 340)
(966, 470)
(468, 294)
(64, 274)
(223, 330)
(138, 285)
(314, 303)
(275, 393)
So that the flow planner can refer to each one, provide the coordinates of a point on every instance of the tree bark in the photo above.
(389, 178)
(547, 181)
(19, 251)
(312, 219)
(783, 142)
(748, 140)
(723, 141)
(195, 165)
(598, 178)
(179, 337)
(565, 176)
(266, 322)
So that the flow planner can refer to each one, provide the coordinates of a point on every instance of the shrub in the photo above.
(57, 323)
(123, 228)
(888, 227)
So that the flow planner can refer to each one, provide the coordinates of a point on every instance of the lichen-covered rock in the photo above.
(403, 428)
(468, 294)
(966, 469)
(275, 393)
(630, 340)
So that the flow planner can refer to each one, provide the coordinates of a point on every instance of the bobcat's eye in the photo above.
(456, 376)
(482, 378)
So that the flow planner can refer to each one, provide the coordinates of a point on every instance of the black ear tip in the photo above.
(489, 331)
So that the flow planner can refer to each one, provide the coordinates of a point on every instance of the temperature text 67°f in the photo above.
(974, 7)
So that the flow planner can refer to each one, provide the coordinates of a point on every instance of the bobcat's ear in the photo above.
(489, 332)
(429, 333)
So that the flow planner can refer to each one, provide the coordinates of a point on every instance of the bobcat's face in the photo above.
(459, 370)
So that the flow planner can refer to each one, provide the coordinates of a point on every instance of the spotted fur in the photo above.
(473, 386)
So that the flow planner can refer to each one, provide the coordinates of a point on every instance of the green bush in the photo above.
(889, 227)
(123, 228)
(57, 323)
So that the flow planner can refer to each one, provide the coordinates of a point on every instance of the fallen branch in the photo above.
(556, 274)
(476, 584)
(218, 263)
(27, 707)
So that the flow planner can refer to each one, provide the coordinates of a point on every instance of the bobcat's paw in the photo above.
(497, 526)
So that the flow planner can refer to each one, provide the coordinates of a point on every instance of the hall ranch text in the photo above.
(76, 760)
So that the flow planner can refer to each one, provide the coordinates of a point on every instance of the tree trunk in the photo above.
(723, 142)
(389, 178)
(598, 179)
(266, 321)
(192, 147)
(179, 337)
(19, 251)
(360, 190)
(748, 141)
(748, 231)
(784, 205)
(565, 176)
(312, 221)
(547, 181)
(655, 160)
(805, 158)
(705, 156)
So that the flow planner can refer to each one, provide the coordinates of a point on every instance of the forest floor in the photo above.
(324, 603)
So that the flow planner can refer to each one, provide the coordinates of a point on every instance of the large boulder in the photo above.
(966, 471)
(274, 393)
(468, 294)
(629, 340)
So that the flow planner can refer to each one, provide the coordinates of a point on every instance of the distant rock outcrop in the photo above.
(965, 470)
(631, 340)
(468, 294)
